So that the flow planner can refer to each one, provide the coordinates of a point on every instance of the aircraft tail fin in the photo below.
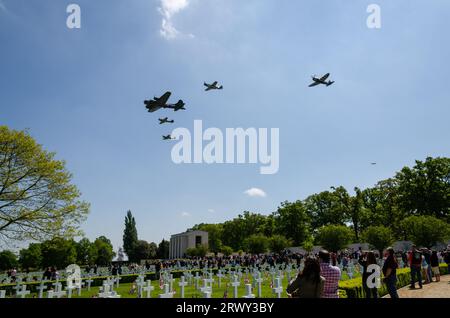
(330, 83)
(220, 87)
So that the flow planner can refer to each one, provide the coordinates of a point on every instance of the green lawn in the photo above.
(190, 291)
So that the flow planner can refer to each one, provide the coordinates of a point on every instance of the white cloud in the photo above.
(185, 214)
(168, 9)
(255, 192)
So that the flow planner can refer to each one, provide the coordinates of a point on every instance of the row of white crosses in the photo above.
(57, 291)
(107, 290)
(145, 287)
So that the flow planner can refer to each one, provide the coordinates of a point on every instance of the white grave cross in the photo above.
(182, 284)
(278, 289)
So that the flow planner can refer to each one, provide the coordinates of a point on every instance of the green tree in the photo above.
(86, 252)
(352, 207)
(256, 244)
(308, 246)
(58, 252)
(104, 251)
(31, 257)
(226, 250)
(8, 260)
(130, 237)
(37, 199)
(237, 230)
(278, 243)
(199, 251)
(425, 188)
(269, 228)
(379, 237)
(145, 250)
(324, 208)
(381, 206)
(292, 221)
(334, 237)
(425, 231)
(163, 250)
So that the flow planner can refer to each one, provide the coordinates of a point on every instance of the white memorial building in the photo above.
(179, 243)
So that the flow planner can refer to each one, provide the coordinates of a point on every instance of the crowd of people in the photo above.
(320, 276)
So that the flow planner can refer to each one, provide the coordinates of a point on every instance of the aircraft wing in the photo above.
(314, 84)
(325, 77)
(163, 99)
(214, 84)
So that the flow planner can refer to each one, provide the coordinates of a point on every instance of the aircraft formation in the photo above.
(158, 103)
(162, 102)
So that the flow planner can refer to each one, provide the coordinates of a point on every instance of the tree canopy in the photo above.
(37, 199)
(334, 237)
(130, 236)
(425, 230)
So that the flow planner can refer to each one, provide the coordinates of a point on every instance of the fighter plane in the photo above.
(168, 137)
(161, 102)
(165, 120)
(212, 86)
(321, 80)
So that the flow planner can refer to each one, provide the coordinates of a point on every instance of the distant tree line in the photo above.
(413, 205)
(59, 252)
(138, 250)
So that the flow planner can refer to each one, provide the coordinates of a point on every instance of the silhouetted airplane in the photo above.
(165, 120)
(168, 137)
(212, 86)
(373, 163)
(321, 80)
(176, 107)
(161, 102)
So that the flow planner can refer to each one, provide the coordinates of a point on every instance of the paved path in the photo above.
(432, 290)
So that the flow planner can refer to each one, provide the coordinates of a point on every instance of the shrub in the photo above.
(352, 288)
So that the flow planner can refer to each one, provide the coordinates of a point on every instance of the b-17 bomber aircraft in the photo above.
(322, 80)
(168, 137)
(161, 102)
(176, 107)
(165, 120)
(212, 86)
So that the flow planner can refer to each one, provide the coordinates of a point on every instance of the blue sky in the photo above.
(80, 93)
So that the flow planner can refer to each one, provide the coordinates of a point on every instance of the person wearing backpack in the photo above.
(416, 267)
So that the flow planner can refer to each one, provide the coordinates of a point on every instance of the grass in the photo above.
(190, 290)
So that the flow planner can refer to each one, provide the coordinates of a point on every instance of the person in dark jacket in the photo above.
(365, 261)
(416, 267)
(435, 265)
(390, 273)
(309, 283)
